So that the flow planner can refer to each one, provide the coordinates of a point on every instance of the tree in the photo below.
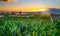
(13, 13)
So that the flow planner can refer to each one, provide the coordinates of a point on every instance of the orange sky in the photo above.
(9, 0)
(32, 8)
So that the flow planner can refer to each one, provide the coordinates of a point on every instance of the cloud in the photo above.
(9, 0)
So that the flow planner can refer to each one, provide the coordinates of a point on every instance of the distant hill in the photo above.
(54, 11)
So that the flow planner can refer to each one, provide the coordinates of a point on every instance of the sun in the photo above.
(43, 9)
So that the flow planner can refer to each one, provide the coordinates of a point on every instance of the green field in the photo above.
(29, 27)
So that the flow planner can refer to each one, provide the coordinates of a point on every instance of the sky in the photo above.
(28, 5)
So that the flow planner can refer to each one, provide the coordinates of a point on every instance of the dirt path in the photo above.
(55, 17)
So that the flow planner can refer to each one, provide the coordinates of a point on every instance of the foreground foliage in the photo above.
(28, 27)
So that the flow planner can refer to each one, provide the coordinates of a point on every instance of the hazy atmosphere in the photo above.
(29, 17)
